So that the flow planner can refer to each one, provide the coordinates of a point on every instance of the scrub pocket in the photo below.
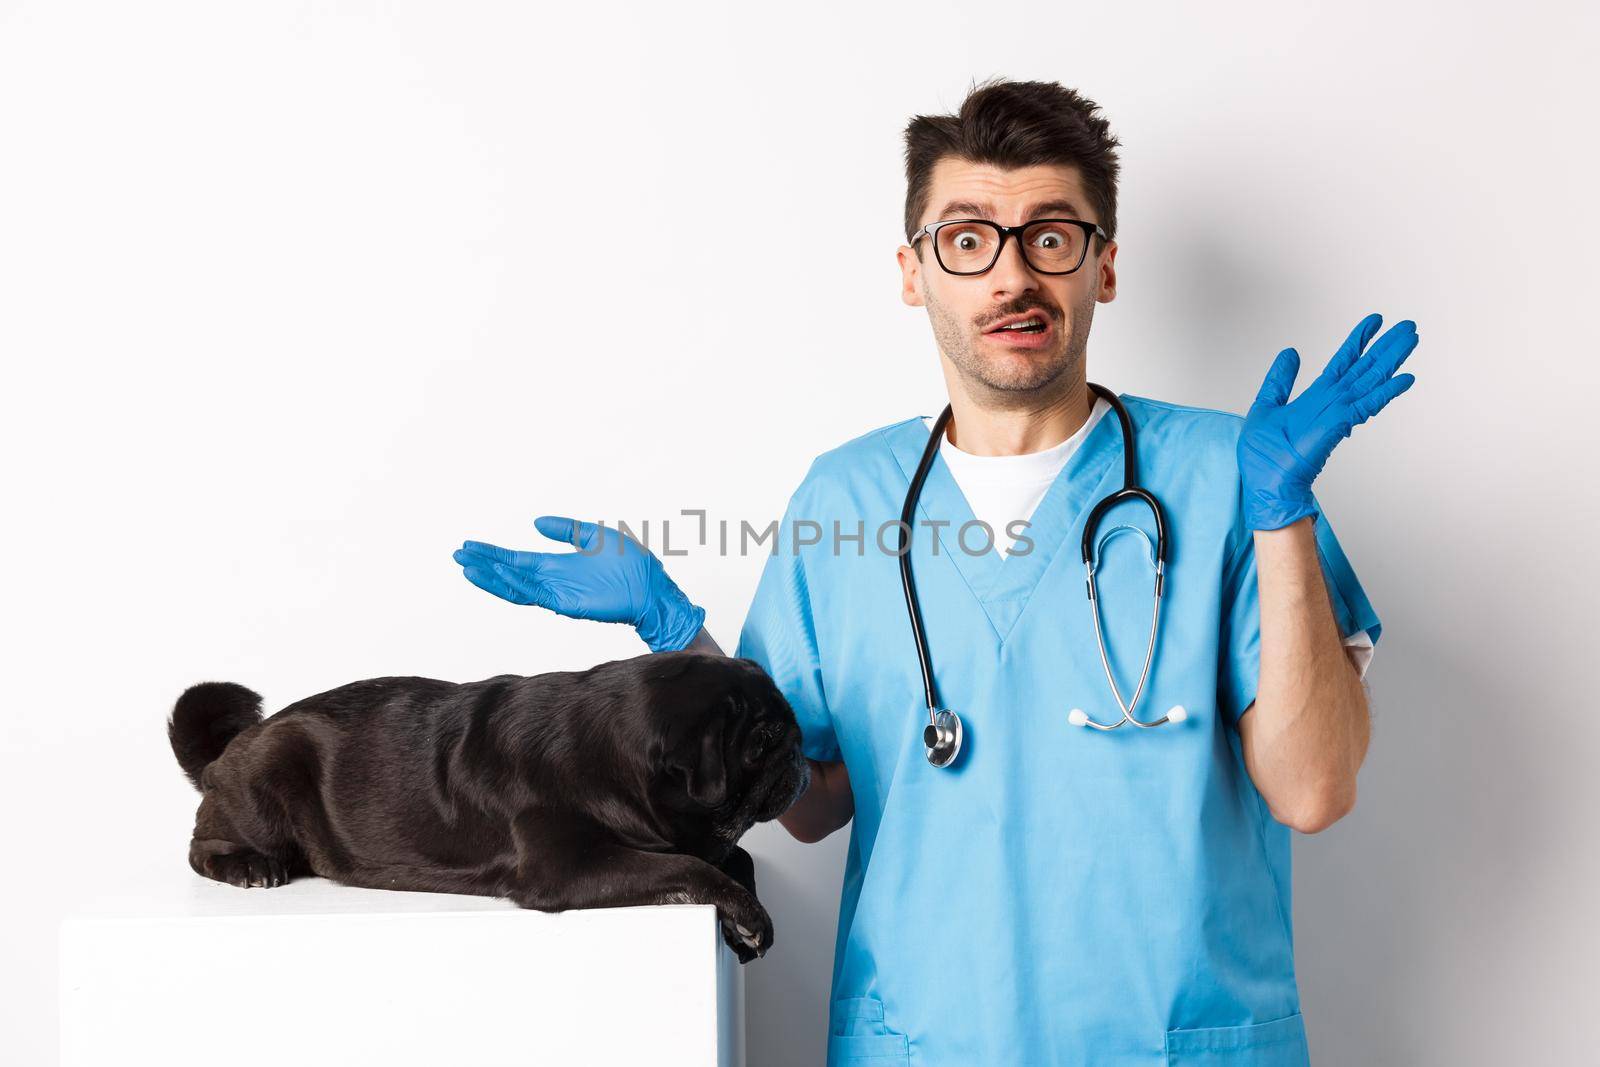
(1279, 1043)
(858, 1036)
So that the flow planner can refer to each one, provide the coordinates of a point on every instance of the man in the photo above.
(1056, 894)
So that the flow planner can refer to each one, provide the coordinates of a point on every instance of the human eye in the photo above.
(967, 239)
(1049, 237)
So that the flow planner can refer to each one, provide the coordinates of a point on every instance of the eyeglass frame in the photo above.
(931, 229)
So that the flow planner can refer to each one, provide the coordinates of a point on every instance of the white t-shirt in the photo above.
(1003, 489)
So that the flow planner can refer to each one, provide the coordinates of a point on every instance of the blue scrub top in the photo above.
(1061, 895)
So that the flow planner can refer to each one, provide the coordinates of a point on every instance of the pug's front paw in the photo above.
(746, 926)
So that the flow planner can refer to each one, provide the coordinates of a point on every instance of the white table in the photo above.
(180, 970)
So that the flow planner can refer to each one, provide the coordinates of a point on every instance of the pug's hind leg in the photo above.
(236, 864)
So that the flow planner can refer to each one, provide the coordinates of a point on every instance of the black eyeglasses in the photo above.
(972, 246)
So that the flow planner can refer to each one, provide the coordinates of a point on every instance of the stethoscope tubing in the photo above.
(943, 734)
(1149, 652)
(907, 514)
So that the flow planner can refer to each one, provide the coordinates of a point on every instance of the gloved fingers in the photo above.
(556, 527)
(561, 528)
(486, 579)
(533, 589)
(581, 570)
(1275, 389)
(577, 584)
(494, 553)
(546, 583)
(1350, 351)
(1368, 405)
(1383, 360)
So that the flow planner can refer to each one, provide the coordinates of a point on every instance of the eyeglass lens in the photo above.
(1047, 246)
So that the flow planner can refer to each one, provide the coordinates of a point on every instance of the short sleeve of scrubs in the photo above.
(779, 634)
(1241, 638)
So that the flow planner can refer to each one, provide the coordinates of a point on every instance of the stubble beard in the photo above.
(1019, 376)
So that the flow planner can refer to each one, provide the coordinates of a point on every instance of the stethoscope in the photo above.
(943, 735)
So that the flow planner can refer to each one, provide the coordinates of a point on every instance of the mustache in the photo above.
(1048, 310)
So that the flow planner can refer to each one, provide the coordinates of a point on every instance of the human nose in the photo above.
(1011, 274)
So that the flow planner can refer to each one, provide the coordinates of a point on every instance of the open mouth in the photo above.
(1028, 330)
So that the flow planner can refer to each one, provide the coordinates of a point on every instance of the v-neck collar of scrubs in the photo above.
(1002, 585)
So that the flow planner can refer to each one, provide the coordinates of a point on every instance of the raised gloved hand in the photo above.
(1285, 443)
(613, 579)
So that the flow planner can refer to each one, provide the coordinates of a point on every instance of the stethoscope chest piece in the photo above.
(942, 738)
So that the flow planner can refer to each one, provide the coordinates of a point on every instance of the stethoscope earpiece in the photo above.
(1077, 717)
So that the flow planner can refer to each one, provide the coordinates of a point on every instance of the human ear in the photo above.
(1106, 265)
(910, 276)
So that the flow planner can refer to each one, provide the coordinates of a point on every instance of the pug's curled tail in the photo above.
(206, 717)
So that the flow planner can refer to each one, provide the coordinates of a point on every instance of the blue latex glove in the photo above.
(614, 579)
(1285, 443)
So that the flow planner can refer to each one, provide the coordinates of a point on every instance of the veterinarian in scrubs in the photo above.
(1058, 894)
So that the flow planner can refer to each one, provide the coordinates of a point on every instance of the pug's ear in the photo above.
(699, 761)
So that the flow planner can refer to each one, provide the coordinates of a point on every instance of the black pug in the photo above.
(627, 783)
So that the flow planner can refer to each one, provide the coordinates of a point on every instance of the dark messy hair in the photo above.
(1016, 124)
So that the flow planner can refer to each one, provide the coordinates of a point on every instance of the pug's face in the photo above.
(729, 743)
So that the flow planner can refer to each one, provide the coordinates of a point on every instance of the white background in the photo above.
(294, 298)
